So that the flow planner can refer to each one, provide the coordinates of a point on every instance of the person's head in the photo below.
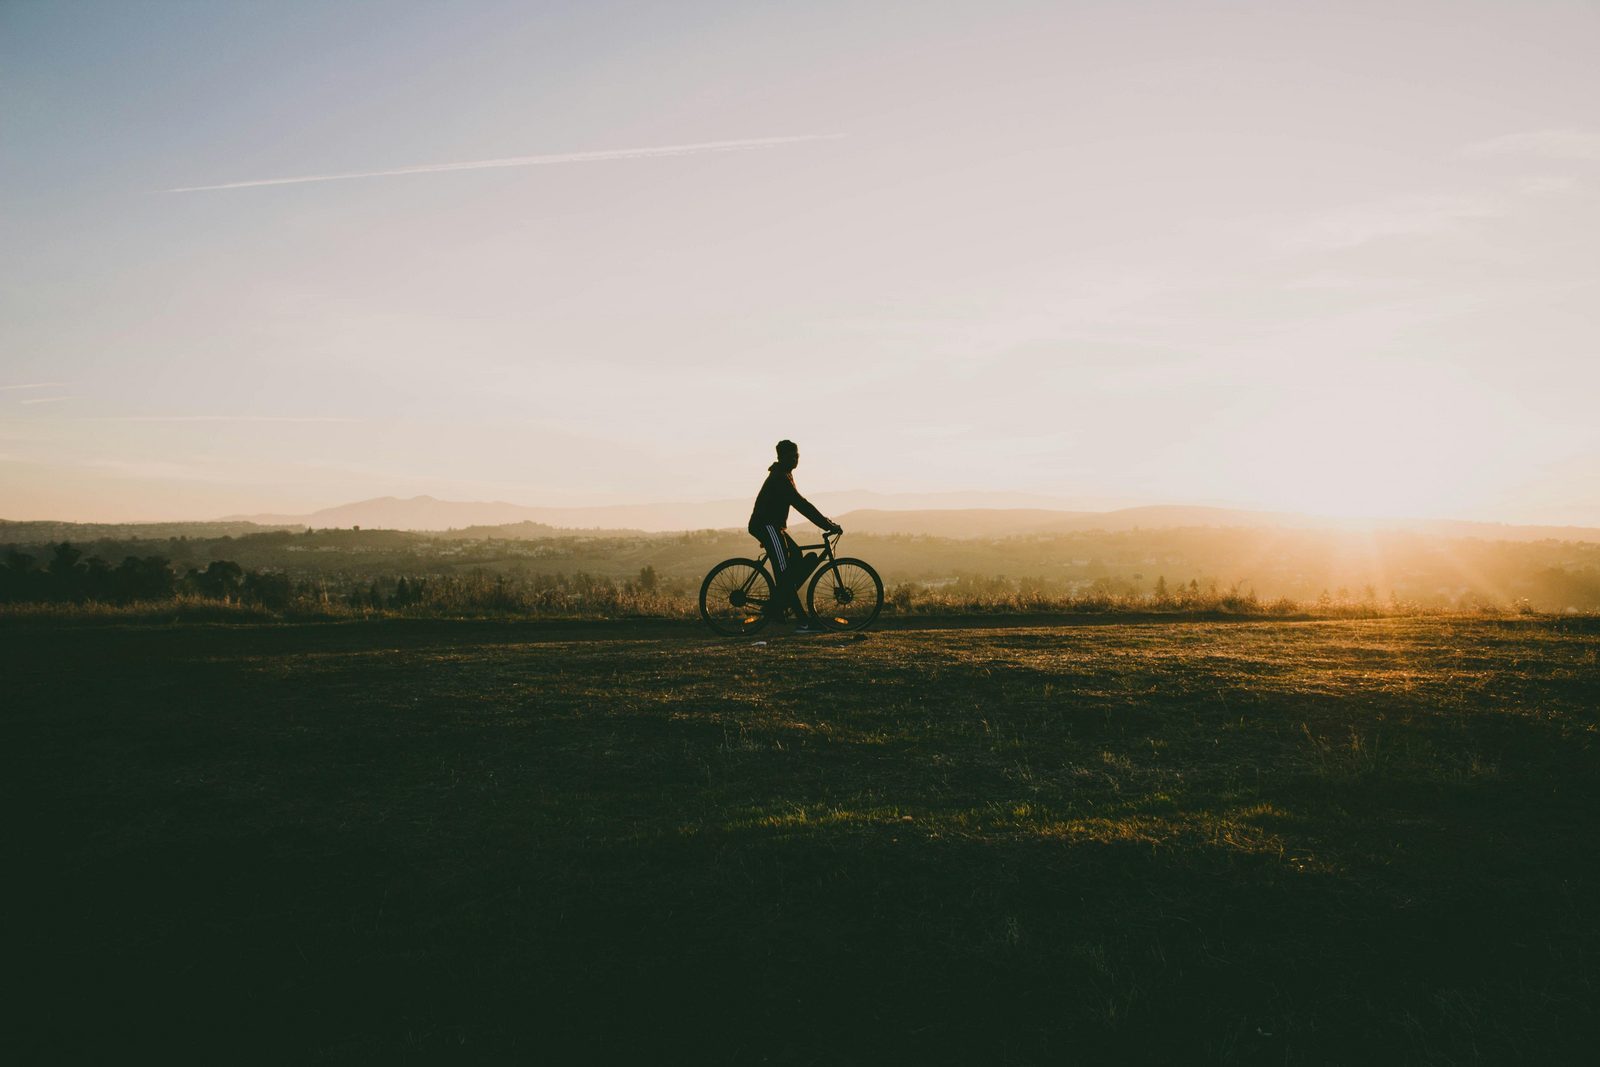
(788, 454)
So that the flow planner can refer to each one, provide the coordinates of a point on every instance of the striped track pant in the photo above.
(785, 557)
(781, 549)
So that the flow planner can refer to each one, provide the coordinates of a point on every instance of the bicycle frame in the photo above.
(828, 541)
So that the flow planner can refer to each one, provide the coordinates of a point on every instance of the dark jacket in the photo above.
(777, 496)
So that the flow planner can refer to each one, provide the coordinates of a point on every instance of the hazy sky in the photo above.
(1333, 257)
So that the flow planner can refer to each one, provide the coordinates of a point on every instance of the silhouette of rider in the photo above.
(769, 522)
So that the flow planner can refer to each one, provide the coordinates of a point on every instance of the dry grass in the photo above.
(1301, 842)
(486, 598)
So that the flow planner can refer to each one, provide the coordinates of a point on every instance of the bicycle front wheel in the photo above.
(734, 597)
(846, 594)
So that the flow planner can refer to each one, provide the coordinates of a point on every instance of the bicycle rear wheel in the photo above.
(734, 597)
(847, 594)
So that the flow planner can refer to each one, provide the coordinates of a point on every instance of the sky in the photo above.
(1335, 258)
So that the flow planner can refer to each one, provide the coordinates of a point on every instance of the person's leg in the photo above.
(780, 555)
(794, 577)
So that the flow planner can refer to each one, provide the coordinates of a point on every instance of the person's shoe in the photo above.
(804, 627)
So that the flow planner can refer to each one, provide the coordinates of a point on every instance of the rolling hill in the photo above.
(864, 512)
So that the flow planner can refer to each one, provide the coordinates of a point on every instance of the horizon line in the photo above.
(291, 519)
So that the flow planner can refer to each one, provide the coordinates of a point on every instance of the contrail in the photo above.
(527, 161)
(216, 418)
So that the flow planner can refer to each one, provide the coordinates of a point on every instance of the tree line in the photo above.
(67, 577)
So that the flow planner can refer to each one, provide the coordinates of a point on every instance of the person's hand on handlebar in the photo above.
(835, 529)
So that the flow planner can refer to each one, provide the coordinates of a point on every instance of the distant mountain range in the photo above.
(999, 515)
(430, 513)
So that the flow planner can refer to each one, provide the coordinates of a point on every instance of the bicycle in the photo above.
(845, 593)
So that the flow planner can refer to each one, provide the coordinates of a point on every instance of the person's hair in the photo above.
(788, 446)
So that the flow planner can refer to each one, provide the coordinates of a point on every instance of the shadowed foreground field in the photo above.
(1255, 842)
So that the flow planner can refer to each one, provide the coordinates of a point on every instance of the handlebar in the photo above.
(826, 534)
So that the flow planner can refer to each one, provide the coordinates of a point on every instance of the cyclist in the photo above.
(769, 522)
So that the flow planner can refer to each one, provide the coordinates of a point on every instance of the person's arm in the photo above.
(809, 510)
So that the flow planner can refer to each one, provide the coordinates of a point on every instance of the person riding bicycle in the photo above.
(769, 522)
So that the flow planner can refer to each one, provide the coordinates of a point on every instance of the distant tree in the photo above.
(66, 574)
(147, 578)
(271, 590)
(1161, 588)
(63, 560)
(97, 581)
(647, 578)
(221, 580)
(18, 580)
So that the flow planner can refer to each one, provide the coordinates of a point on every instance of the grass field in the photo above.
(1237, 842)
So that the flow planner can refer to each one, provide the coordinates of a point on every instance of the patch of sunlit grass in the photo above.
(1097, 829)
